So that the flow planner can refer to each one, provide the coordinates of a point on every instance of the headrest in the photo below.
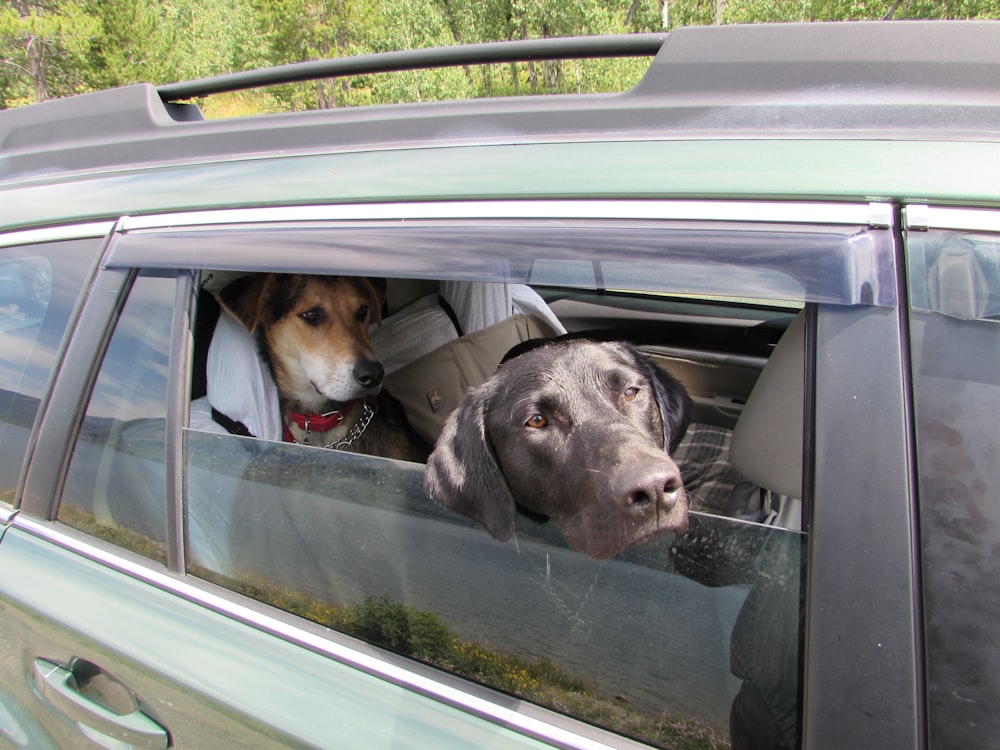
(239, 383)
(767, 440)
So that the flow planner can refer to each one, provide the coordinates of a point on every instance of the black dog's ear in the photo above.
(673, 400)
(462, 473)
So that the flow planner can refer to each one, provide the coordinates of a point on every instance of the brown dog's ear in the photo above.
(376, 289)
(379, 287)
(462, 473)
(243, 299)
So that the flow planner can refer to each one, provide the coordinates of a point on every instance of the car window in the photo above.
(115, 487)
(955, 299)
(691, 638)
(642, 644)
(39, 287)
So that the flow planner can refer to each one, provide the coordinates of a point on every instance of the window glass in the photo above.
(955, 294)
(689, 640)
(656, 643)
(115, 484)
(39, 286)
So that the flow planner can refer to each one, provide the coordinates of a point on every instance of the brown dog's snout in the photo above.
(652, 486)
(369, 373)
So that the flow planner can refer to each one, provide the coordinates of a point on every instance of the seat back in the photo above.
(767, 440)
(433, 385)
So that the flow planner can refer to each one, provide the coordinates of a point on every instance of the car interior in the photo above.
(351, 528)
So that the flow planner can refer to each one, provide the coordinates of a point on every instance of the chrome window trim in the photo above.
(742, 211)
(923, 217)
(89, 230)
(342, 653)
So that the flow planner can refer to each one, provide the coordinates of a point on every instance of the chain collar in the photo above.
(368, 413)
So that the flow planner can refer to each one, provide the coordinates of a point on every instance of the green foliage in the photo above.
(400, 628)
(424, 636)
(133, 43)
(43, 48)
(111, 532)
(299, 30)
(213, 37)
(60, 47)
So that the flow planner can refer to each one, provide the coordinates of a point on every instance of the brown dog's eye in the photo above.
(631, 393)
(362, 314)
(536, 421)
(313, 316)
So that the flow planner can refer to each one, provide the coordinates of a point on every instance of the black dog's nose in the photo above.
(369, 373)
(655, 487)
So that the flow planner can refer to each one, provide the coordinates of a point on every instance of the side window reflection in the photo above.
(115, 484)
(39, 286)
(640, 643)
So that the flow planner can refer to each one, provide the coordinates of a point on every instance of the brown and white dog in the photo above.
(313, 333)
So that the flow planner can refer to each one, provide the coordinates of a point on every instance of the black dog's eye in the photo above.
(313, 316)
(536, 421)
(362, 314)
(630, 393)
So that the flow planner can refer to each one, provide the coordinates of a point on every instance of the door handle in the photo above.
(64, 689)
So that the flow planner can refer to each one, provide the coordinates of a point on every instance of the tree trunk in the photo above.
(720, 8)
(35, 49)
(36, 64)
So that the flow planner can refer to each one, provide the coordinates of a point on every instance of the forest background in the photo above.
(54, 48)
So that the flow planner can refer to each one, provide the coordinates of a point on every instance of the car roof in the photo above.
(875, 111)
(938, 80)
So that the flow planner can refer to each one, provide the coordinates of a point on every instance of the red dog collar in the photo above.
(310, 423)
(322, 422)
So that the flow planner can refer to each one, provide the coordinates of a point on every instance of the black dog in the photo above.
(574, 430)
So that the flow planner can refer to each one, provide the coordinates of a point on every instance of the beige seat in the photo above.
(767, 440)
(432, 386)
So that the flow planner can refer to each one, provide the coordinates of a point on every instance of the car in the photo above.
(800, 222)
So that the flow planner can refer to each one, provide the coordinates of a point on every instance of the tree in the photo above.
(414, 24)
(299, 30)
(43, 49)
(135, 43)
(213, 37)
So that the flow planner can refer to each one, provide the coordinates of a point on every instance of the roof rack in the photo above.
(560, 48)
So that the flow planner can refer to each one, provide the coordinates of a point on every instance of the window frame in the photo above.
(829, 662)
(78, 369)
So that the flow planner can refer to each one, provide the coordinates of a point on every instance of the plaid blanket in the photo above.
(712, 484)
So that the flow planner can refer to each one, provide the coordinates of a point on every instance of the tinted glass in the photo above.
(689, 640)
(692, 639)
(955, 292)
(655, 643)
(796, 263)
(39, 286)
(115, 484)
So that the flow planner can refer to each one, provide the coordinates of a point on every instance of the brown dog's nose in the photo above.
(651, 487)
(369, 373)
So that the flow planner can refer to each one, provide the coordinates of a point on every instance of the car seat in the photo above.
(767, 448)
(767, 440)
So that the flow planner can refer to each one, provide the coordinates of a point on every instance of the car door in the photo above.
(185, 583)
(106, 645)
